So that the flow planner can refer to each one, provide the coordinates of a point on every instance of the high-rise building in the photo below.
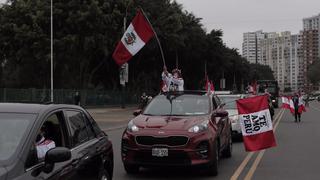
(311, 23)
(296, 63)
(282, 53)
(251, 46)
(310, 44)
(310, 50)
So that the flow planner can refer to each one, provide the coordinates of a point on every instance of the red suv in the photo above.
(178, 129)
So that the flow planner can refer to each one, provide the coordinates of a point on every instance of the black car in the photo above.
(82, 150)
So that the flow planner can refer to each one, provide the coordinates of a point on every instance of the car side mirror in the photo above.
(56, 155)
(137, 112)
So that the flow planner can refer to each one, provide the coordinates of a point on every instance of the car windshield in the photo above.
(182, 105)
(13, 128)
(229, 101)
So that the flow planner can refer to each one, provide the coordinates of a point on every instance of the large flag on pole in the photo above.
(256, 123)
(136, 36)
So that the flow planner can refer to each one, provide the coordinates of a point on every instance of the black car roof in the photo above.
(29, 108)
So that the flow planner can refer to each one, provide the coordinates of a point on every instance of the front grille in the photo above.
(169, 141)
(175, 158)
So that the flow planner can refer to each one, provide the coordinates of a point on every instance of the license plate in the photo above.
(160, 152)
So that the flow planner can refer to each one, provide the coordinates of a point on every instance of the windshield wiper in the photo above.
(149, 114)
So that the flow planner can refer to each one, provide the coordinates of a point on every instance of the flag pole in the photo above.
(51, 54)
(177, 60)
(155, 34)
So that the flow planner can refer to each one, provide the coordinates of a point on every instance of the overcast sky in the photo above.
(235, 17)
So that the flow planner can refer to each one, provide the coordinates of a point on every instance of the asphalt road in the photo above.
(295, 157)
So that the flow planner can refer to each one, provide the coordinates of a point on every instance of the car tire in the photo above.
(213, 166)
(104, 175)
(227, 152)
(131, 169)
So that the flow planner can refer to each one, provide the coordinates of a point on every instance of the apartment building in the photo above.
(251, 46)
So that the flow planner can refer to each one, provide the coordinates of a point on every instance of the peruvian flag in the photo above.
(209, 85)
(301, 105)
(256, 123)
(136, 36)
(287, 103)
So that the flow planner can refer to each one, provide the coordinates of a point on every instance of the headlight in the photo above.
(234, 118)
(132, 127)
(200, 127)
(273, 101)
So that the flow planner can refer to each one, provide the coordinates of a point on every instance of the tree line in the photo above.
(85, 35)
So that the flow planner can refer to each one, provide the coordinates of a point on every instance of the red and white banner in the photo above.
(209, 86)
(136, 36)
(287, 103)
(256, 123)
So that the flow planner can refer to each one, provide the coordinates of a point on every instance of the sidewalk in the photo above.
(113, 117)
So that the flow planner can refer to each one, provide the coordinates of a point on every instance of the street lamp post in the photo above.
(51, 54)
(124, 67)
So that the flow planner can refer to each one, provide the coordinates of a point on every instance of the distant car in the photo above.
(231, 107)
(82, 150)
(178, 129)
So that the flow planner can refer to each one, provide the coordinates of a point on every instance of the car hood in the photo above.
(167, 122)
(232, 112)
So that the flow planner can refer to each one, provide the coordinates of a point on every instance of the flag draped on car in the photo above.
(256, 123)
(136, 36)
(287, 103)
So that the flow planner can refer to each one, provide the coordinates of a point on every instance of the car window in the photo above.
(89, 125)
(81, 129)
(13, 129)
(96, 129)
(230, 101)
(52, 133)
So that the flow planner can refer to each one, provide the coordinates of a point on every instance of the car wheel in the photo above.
(131, 169)
(104, 175)
(213, 166)
(227, 152)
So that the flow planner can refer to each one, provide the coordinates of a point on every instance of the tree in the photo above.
(86, 33)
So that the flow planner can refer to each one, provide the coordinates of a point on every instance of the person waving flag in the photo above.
(136, 36)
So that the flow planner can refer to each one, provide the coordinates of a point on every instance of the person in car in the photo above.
(172, 82)
(43, 141)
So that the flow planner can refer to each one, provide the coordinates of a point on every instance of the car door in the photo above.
(86, 147)
(222, 122)
(34, 166)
